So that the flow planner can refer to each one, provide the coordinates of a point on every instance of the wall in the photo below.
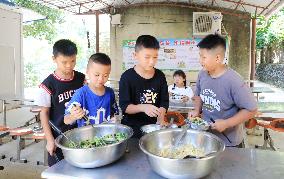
(271, 73)
(175, 22)
(11, 68)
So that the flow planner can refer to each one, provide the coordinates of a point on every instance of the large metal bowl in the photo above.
(181, 168)
(97, 156)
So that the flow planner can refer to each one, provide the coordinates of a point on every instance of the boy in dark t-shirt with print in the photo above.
(143, 90)
(55, 92)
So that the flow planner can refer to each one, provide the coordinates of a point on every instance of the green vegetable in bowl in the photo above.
(198, 121)
(100, 141)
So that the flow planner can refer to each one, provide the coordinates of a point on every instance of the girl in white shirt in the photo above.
(179, 92)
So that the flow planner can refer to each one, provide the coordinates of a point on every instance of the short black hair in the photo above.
(100, 58)
(64, 47)
(182, 74)
(179, 73)
(212, 41)
(146, 41)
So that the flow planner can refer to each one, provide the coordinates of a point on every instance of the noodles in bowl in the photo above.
(180, 152)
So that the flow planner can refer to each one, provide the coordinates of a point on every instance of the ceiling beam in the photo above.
(243, 3)
(104, 3)
(267, 7)
(189, 4)
(72, 5)
(80, 5)
(275, 9)
(186, 5)
(127, 1)
(237, 4)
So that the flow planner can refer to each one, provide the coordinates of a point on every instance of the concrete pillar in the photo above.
(253, 48)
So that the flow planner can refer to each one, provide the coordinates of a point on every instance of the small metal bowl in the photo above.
(200, 127)
(146, 129)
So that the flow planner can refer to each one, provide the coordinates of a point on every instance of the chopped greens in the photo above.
(100, 141)
(198, 121)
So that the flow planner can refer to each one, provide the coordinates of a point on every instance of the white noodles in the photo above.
(181, 152)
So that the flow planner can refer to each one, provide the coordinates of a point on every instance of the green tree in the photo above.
(272, 33)
(30, 74)
(41, 29)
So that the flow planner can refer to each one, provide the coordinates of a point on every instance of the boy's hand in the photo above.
(170, 94)
(50, 147)
(220, 125)
(151, 110)
(193, 113)
(161, 117)
(77, 112)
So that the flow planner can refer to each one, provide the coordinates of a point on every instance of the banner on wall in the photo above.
(174, 54)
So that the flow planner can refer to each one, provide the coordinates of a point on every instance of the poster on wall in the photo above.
(174, 54)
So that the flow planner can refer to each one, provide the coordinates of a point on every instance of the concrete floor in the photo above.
(34, 151)
(30, 170)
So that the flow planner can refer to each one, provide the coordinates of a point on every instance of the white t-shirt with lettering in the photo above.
(178, 93)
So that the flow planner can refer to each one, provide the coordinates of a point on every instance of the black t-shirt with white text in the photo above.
(134, 89)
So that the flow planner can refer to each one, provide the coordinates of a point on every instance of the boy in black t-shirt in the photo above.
(143, 90)
(55, 91)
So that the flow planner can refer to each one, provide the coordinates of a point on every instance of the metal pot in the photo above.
(181, 168)
(96, 156)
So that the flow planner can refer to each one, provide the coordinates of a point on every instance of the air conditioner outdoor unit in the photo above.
(205, 23)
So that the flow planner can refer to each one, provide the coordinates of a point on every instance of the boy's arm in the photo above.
(125, 102)
(164, 100)
(73, 113)
(242, 116)
(44, 118)
(71, 118)
(43, 100)
(74, 109)
(244, 100)
(148, 109)
(197, 103)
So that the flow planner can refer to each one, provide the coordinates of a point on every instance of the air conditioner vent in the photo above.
(205, 23)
